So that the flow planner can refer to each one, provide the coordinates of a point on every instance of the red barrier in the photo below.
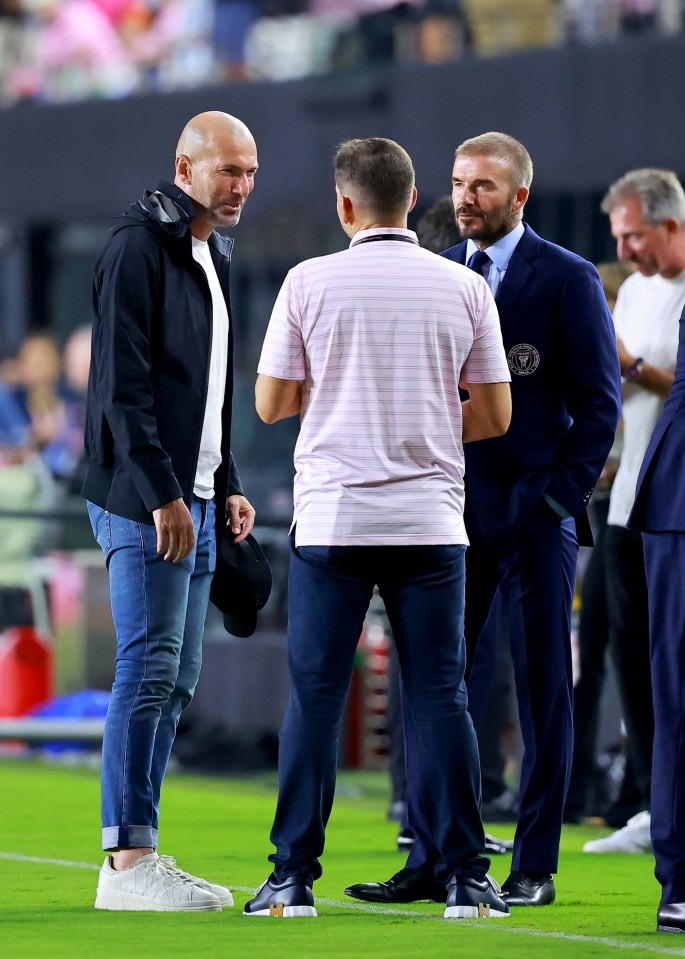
(26, 670)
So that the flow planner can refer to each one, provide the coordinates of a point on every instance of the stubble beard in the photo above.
(223, 221)
(491, 228)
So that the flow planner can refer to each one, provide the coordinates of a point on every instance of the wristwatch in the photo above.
(634, 371)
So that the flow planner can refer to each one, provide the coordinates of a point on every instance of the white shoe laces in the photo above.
(168, 864)
(169, 869)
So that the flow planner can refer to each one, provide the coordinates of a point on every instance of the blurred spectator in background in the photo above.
(589, 21)
(437, 228)
(15, 428)
(76, 361)
(78, 49)
(77, 54)
(172, 45)
(14, 39)
(116, 10)
(25, 483)
(646, 209)
(443, 32)
(37, 375)
(49, 391)
(233, 21)
(638, 16)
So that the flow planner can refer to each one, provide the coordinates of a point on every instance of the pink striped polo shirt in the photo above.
(381, 334)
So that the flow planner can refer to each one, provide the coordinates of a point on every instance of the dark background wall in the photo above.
(587, 114)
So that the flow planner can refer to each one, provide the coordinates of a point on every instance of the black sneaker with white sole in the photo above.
(471, 899)
(282, 900)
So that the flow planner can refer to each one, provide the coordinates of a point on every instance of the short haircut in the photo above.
(503, 147)
(660, 193)
(378, 171)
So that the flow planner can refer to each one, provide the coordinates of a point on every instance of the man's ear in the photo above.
(520, 197)
(348, 214)
(414, 198)
(184, 169)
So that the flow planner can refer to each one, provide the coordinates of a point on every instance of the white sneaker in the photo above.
(634, 837)
(224, 895)
(150, 885)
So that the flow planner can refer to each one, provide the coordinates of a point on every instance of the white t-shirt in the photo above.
(381, 334)
(210, 443)
(646, 318)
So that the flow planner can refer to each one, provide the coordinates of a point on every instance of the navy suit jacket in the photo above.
(660, 497)
(566, 392)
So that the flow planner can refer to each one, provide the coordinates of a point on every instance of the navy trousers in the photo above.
(665, 566)
(536, 578)
(628, 609)
(329, 590)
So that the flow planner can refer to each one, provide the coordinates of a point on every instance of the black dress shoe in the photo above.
(528, 889)
(671, 917)
(407, 885)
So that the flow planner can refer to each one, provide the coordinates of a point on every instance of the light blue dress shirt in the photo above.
(500, 254)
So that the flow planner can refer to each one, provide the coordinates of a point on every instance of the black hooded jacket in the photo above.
(152, 338)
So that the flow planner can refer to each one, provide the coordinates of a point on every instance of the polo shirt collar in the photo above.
(380, 230)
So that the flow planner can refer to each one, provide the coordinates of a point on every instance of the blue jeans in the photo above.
(159, 611)
(329, 591)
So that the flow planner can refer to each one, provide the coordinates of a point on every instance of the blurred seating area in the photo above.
(67, 50)
(42, 406)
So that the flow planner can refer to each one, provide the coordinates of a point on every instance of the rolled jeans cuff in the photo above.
(129, 837)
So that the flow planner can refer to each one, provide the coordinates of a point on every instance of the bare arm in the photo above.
(277, 399)
(651, 378)
(487, 412)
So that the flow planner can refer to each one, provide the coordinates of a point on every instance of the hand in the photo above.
(239, 516)
(625, 360)
(175, 532)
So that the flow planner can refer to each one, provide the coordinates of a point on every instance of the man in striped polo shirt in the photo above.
(369, 346)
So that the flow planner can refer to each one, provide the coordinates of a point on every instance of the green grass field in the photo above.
(218, 828)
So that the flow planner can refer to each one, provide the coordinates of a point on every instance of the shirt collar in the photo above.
(500, 252)
(380, 230)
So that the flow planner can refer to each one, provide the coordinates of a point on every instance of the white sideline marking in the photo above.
(493, 926)
(18, 857)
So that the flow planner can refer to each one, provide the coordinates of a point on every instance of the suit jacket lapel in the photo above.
(519, 270)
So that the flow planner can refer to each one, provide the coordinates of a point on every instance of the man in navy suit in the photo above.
(526, 498)
(659, 511)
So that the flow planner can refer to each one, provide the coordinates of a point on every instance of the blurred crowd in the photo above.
(42, 408)
(63, 50)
